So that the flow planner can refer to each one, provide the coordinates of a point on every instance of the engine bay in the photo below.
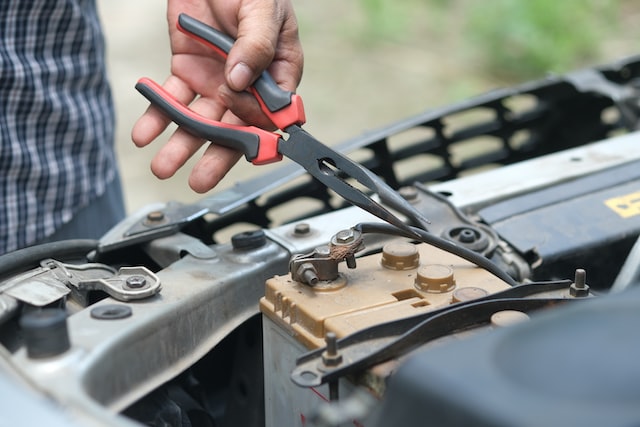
(517, 306)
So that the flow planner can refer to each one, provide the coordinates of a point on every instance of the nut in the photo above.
(345, 236)
(579, 287)
(307, 274)
(136, 282)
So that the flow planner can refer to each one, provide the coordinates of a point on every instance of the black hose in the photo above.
(440, 243)
(30, 257)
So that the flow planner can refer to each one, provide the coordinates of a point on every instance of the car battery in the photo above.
(403, 280)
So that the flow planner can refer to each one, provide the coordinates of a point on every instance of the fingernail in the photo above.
(240, 76)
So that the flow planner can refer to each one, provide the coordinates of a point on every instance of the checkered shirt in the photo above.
(56, 116)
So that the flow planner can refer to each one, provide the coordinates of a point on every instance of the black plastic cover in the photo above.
(575, 224)
(574, 366)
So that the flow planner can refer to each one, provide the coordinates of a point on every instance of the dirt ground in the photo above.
(349, 85)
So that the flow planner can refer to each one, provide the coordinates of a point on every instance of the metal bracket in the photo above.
(130, 283)
(54, 280)
(150, 223)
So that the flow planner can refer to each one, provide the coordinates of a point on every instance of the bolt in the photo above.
(136, 282)
(154, 219)
(410, 194)
(307, 272)
(332, 344)
(333, 391)
(322, 252)
(345, 236)
(310, 277)
(331, 357)
(579, 287)
(580, 278)
(155, 216)
(302, 229)
(351, 261)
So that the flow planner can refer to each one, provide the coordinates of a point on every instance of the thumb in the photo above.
(255, 47)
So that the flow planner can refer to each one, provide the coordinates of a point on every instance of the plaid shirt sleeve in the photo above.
(56, 116)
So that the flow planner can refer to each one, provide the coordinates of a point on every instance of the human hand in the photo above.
(266, 34)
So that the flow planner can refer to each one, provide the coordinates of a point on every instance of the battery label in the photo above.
(625, 206)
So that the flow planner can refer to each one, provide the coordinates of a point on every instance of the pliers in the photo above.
(286, 111)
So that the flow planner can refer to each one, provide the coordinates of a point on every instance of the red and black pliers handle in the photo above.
(282, 107)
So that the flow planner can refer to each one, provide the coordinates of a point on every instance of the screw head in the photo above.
(345, 236)
(136, 281)
(155, 216)
(302, 229)
(410, 194)
(323, 251)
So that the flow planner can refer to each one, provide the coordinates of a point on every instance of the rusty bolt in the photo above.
(351, 261)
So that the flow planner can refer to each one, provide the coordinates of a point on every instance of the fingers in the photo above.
(267, 34)
(181, 145)
(152, 123)
(245, 106)
(287, 66)
(215, 162)
(212, 167)
(255, 45)
(174, 154)
(266, 38)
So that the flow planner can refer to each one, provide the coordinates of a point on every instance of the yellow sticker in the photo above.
(625, 206)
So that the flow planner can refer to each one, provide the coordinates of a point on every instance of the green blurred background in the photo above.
(510, 39)
(369, 63)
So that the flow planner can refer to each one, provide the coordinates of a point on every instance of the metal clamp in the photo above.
(54, 280)
(130, 283)
(322, 263)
